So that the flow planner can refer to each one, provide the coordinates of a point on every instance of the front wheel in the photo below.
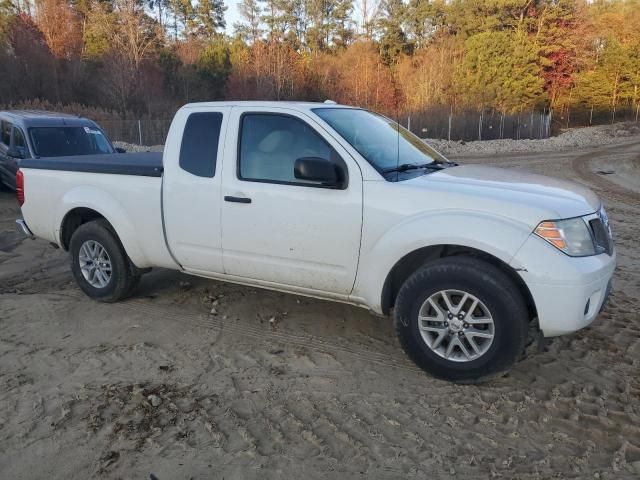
(461, 319)
(99, 263)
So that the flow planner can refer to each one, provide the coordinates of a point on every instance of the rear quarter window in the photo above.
(199, 148)
(5, 133)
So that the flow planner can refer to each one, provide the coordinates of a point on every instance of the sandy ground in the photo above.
(277, 386)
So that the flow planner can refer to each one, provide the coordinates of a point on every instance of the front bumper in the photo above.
(568, 292)
(24, 228)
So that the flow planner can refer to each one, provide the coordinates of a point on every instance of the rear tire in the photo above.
(99, 264)
(470, 304)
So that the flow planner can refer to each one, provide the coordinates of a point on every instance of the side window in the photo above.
(199, 148)
(5, 133)
(270, 144)
(18, 139)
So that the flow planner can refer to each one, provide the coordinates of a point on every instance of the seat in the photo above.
(273, 158)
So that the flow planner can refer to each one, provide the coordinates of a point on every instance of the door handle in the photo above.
(229, 198)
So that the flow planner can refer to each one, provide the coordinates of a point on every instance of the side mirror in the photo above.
(317, 170)
(16, 152)
(120, 150)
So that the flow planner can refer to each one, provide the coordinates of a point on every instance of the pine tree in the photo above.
(501, 70)
(209, 17)
(250, 29)
(393, 40)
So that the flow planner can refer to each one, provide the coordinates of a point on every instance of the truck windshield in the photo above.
(381, 141)
(66, 141)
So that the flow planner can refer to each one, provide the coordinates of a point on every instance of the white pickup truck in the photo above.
(337, 203)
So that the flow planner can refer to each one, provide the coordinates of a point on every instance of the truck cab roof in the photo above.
(300, 106)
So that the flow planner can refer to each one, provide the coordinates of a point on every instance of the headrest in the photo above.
(275, 141)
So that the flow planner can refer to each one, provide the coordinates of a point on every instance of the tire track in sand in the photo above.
(580, 165)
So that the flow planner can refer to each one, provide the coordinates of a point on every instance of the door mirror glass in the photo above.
(317, 170)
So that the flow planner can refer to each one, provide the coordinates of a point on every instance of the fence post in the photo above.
(637, 109)
(451, 113)
(409, 122)
(139, 133)
(591, 116)
(531, 126)
(480, 126)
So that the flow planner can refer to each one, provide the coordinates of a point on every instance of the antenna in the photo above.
(397, 140)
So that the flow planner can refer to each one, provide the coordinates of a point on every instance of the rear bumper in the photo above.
(568, 292)
(24, 228)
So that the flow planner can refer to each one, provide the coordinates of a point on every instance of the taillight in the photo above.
(20, 187)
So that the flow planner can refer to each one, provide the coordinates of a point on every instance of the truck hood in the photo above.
(518, 194)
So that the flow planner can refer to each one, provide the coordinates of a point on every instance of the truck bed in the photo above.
(145, 164)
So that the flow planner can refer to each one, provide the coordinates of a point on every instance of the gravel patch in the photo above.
(574, 138)
(132, 147)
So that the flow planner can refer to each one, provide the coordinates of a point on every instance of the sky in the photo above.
(231, 15)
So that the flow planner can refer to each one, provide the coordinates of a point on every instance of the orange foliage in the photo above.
(267, 70)
(60, 25)
(357, 76)
(275, 71)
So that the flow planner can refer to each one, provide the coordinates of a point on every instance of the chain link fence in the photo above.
(140, 132)
(585, 116)
(444, 123)
(441, 123)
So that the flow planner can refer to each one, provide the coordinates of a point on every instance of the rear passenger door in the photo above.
(191, 188)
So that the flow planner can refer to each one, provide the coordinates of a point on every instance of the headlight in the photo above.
(572, 236)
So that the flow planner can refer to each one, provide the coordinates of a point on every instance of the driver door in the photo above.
(280, 230)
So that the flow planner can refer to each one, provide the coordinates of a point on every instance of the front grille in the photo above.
(601, 236)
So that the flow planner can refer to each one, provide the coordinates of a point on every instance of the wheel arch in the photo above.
(412, 261)
(76, 217)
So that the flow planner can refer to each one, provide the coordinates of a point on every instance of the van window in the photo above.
(5, 133)
(68, 141)
(18, 139)
(199, 148)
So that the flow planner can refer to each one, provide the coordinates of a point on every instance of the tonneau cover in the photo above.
(146, 164)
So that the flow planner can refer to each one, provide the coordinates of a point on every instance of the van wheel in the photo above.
(99, 263)
(461, 319)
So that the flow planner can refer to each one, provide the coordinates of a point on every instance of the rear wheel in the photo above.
(99, 263)
(461, 319)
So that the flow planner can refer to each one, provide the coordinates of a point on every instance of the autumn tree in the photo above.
(60, 25)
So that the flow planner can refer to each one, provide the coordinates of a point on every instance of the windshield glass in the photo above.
(63, 141)
(376, 138)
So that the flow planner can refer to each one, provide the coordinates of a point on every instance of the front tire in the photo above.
(461, 319)
(99, 263)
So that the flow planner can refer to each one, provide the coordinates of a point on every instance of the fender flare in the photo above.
(110, 208)
(461, 228)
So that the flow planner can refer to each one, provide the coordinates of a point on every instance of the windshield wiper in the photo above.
(413, 166)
